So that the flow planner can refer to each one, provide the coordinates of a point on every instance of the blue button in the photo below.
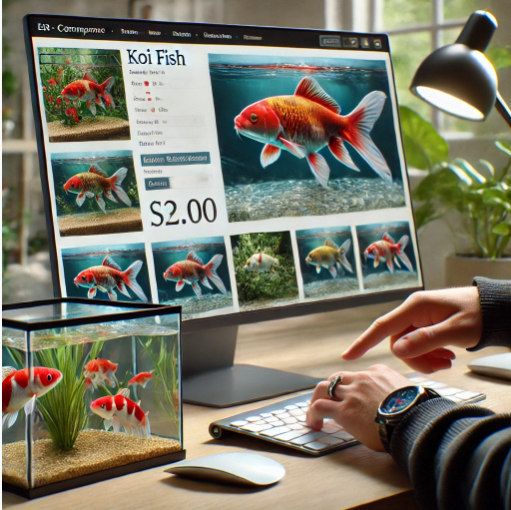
(156, 183)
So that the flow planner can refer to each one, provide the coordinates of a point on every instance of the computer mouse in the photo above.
(232, 468)
(497, 365)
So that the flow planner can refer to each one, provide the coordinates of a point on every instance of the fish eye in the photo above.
(49, 377)
(103, 406)
(253, 117)
(72, 184)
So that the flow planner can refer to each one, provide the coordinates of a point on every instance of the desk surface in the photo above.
(354, 477)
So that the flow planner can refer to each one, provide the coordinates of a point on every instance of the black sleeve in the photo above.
(457, 457)
(495, 299)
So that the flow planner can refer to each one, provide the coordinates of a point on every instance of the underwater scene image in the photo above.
(117, 272)
(265, 270)
(83, 94)
(387, 255)
(304, 136)
(105, 395)
(96, 193)
(193, 274)
(327, 262)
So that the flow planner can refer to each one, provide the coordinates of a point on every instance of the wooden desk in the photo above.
(355, 477)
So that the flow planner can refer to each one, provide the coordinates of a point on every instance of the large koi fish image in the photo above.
(89, 90)
(309, 120)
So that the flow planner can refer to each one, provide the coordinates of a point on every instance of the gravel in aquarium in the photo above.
(90, 128)
(251, 202)
(117, 220)
(256, 305)
(324, 289)
(94, 451)
(194, 306)
(388, 281)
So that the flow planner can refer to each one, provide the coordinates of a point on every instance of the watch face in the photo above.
(399, 400)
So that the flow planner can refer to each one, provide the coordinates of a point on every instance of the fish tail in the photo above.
(130, 279)
(403, 257)
(105, 90)
(211, 273)
(360, 122)
(115, 182)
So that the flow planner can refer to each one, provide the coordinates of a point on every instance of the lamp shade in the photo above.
(458, 78)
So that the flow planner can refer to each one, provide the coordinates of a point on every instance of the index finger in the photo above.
(396, 321)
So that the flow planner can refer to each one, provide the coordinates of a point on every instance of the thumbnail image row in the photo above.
(196, 273)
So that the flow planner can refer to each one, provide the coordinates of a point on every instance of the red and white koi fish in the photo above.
(309, 120)
(95, 183)
(87, 89)
(141, 379)
(389, 251)
(18, 391)
(192, 270)
(120, 411)
(100, 371)
(260, 262)
(109, 276)
(331, 257)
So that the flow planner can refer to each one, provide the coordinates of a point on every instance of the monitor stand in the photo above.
(210, 377)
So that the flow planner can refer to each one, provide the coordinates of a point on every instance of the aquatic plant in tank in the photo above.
(89, 387)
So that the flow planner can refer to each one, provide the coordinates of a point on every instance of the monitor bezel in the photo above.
(234, 318)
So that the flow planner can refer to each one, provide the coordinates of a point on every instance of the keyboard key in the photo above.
(465, 395)
(275, 431)
(342, 434)
(290, 420)
(277, 423)
(448, 391)
(297, 412)
(253, 418)
(251, 427)
(331, 440)
(331, 428)
(266, 415)
(302, 404)
(417, 380)
(308, 438)
(259, 422)
(302, 418)
(299, 426)
(436, 385)
(287, 436)
(455, 399)
(289, 408)
(316, 445)
(238, 423)
(278, 411)
(272, 419)
(283, 415)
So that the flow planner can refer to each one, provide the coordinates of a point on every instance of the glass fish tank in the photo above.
(90, 390)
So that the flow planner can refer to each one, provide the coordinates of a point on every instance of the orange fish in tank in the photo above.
(100, 371)
(389, 251)
(309, 120)
(91, 92)
(141, 379)
(19, 391)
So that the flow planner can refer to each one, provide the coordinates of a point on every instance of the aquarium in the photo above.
(90, 390)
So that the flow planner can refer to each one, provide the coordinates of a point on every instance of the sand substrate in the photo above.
(94, 450)
(90, 128)
(114, 221)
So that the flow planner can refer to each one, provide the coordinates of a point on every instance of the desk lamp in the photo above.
(459, 79)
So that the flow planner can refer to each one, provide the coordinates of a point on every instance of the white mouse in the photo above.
(235, 468)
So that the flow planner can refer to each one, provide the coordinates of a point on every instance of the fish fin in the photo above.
(116, 424)
(403, 257)
(390, 265)
(396, 261)
(109, 262)
(92, 107)
(80, 199)
(388, 238)
(293, 148)
(269, 155)
(193, 256)
(107, 424)
(89, 194)
(340, 152)
(7, 371)
(318, 269)
(102, 289)
(346, 246)
(112, 295)
(105, 92)
(147, 426)
(92, 292)
(125, 392)
(95, 170)
(205, 282)
(101, 203)
(110, 195)
(344, 260)
(30, 405)
(333, 271)
(403, 242)
(310, 89)
(376, 261)
(88, 76)
(115, 182)
(98, 101)
(180, 285)
(9, 419)
(196, 288)
(211, 273)
(122, 288)
(112, 381)
(331, 244)
(319, 168)
(360, 123)
(130, 279)
(143, 386)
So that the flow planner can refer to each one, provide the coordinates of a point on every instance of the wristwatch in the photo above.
(395, 405)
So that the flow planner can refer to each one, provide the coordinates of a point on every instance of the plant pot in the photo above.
(460, 270)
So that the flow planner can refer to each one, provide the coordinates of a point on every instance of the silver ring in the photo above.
(331, 387)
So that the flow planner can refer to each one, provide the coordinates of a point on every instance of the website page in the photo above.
(220, 173)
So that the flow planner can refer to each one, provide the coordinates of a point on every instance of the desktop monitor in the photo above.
(243, 173)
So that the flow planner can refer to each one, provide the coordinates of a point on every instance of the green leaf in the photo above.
(496, 197)
(469, 169)
(488, 166)
(502, 229)
(504, 147)
(460, 173)
(499, 57)
(424, 147)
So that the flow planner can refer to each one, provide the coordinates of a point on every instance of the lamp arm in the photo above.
(503, 108)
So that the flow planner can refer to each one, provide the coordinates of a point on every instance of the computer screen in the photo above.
(226, 169)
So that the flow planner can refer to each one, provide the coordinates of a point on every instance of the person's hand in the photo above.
(359, 396)
(421, 327)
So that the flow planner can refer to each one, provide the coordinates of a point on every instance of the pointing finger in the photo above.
(322, 408)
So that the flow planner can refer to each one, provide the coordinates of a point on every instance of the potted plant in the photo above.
(475, 203)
